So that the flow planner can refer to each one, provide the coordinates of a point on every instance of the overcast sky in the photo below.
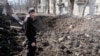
(12, 0)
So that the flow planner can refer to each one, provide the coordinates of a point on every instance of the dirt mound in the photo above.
(11, 38)
(57, 36)
(70, 37)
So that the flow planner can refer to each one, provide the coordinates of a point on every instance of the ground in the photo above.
(63, 36)
(70, 36)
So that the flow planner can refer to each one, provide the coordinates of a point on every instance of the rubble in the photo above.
(56, 36)
(70, 37)
(10, 37)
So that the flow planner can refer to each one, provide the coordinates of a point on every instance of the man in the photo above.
(30, 32)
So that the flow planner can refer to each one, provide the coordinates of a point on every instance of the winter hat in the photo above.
(31, 10)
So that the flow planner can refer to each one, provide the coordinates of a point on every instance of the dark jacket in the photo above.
(30, 30)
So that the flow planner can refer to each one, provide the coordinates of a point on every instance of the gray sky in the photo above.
(13, 0)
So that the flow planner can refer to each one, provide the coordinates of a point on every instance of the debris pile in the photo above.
(11, 38)
(57, 36)
(70, 37)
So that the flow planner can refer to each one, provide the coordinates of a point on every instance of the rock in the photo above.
(45, 43)
(68, 52)
(69, 37)
(99, 51)
(60, 39)
(71, 26)
(77, 54)
(98, 30)
(87, 35)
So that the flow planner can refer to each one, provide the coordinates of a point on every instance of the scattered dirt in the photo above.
(70, 37)
(56, 36)
(11, 38)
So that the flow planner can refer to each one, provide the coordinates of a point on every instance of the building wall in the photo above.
(78, 9)
(3, 1)
(51, 7)
(59, 10)
(92, 8)
(97, 7)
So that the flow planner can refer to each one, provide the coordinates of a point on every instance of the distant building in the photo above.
(3, 1)
(61, 6)
(92, 8)
(80, 5)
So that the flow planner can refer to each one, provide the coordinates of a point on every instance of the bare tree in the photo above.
(86, 3)
(36, 4)
(48, 6)
(20, 5)
(70, 7)
(54, 3)
(29, 4)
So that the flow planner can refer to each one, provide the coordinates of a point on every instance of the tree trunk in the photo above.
(48, 6)
(85, 8)
(29, 4)
(70, 7)
(54, 3)
(20, 5)
(35, 5)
